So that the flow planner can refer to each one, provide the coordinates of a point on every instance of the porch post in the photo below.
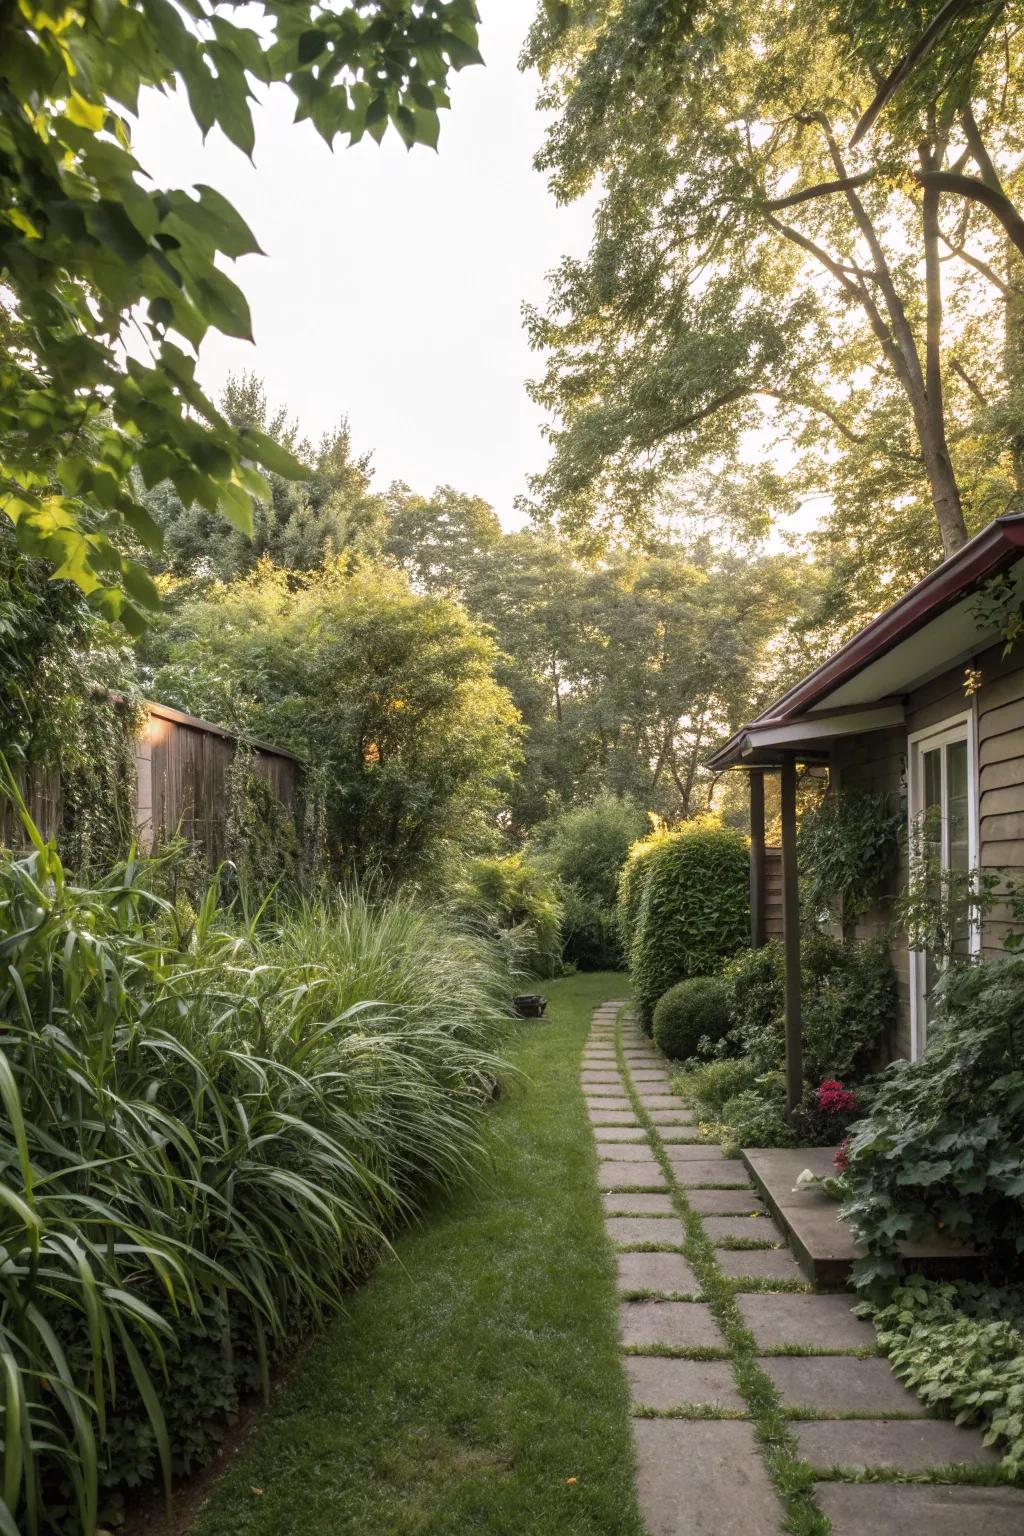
(757, 923)
(791, 936)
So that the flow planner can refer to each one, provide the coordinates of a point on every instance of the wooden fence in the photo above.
(181, 770)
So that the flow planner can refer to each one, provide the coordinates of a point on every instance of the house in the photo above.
(926, 701)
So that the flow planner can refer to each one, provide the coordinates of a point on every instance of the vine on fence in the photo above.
(261, 842)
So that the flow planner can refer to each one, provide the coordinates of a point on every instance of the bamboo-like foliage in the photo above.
(208, 1132)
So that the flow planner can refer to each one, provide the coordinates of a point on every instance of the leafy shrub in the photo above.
(630, 891)
(590, 933)
(694, 909)
(943, 1144)
(848, 1000)
(712, 1086)
(204, 1142)
(586, 847)
(756, 1117)
(961, 1349)
(689, 1012)
(517, 902)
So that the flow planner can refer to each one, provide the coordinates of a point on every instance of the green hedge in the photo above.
(632, 878)
(689, 1012)
(694, 909)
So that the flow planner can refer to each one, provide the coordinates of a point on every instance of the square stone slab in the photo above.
(657, 1381)
(908, 1445)
(729, 1170)
(607, 1100)
(703, 1477)
(666, 1231)
(726, 1202)
(599, 1117)
(600, 1078)
(627, 1152)
(619, 1135)
(837, 1384)
(637, 1202)
(680, 1116)
(630, 1176)
(662, 1273)
(815, 1322)
(758, 1264)
(658, 1100)
(757, 1229)
(921, 1509)
(695, 1152)
(674, 1324)
(650, 1075)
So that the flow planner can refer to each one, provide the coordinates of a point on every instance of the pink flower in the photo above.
(841, 1161)
(834, 1099)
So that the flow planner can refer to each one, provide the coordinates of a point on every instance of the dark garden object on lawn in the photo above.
(530, 1006)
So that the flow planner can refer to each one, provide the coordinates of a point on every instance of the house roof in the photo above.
(863, 685)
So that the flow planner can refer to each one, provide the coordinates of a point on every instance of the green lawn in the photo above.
(473, 1378)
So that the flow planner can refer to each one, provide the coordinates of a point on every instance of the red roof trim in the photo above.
(999, 545)
(990, 551)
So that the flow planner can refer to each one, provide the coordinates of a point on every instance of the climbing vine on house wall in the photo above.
(849, 847)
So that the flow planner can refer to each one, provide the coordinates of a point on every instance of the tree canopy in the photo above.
(109, 284)
(753, 270)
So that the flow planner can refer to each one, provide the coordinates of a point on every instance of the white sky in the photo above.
(392, 285)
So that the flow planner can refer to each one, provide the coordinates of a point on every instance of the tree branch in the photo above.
(821, 189)
(974, 188)
(958, 368)
(963, 254)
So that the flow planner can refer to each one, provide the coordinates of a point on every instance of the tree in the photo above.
(389, 693)
(298, 526)
(750, 268)
(110, 284)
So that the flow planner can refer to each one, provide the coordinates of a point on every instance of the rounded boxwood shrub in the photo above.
(689, 1011)
(694, 910)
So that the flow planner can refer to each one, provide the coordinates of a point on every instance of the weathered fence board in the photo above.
(181, 766)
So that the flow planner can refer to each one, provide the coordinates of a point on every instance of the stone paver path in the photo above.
(670, 1201)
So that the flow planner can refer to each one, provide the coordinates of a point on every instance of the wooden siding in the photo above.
(999, 705)
(773, 893)
(878, 762)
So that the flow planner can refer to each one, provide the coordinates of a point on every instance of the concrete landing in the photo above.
(822, 1244)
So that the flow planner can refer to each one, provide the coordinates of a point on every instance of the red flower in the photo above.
(841, 1160)
(834, 1099)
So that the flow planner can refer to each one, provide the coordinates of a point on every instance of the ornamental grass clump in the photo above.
(208, 1134)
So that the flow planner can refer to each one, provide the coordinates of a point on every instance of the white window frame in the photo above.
(946, 732)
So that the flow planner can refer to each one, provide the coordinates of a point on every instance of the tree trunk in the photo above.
(932, 426)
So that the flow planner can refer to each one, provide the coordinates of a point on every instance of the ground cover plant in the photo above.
(210, 1130)
(961, 1349)
(475, 1383)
